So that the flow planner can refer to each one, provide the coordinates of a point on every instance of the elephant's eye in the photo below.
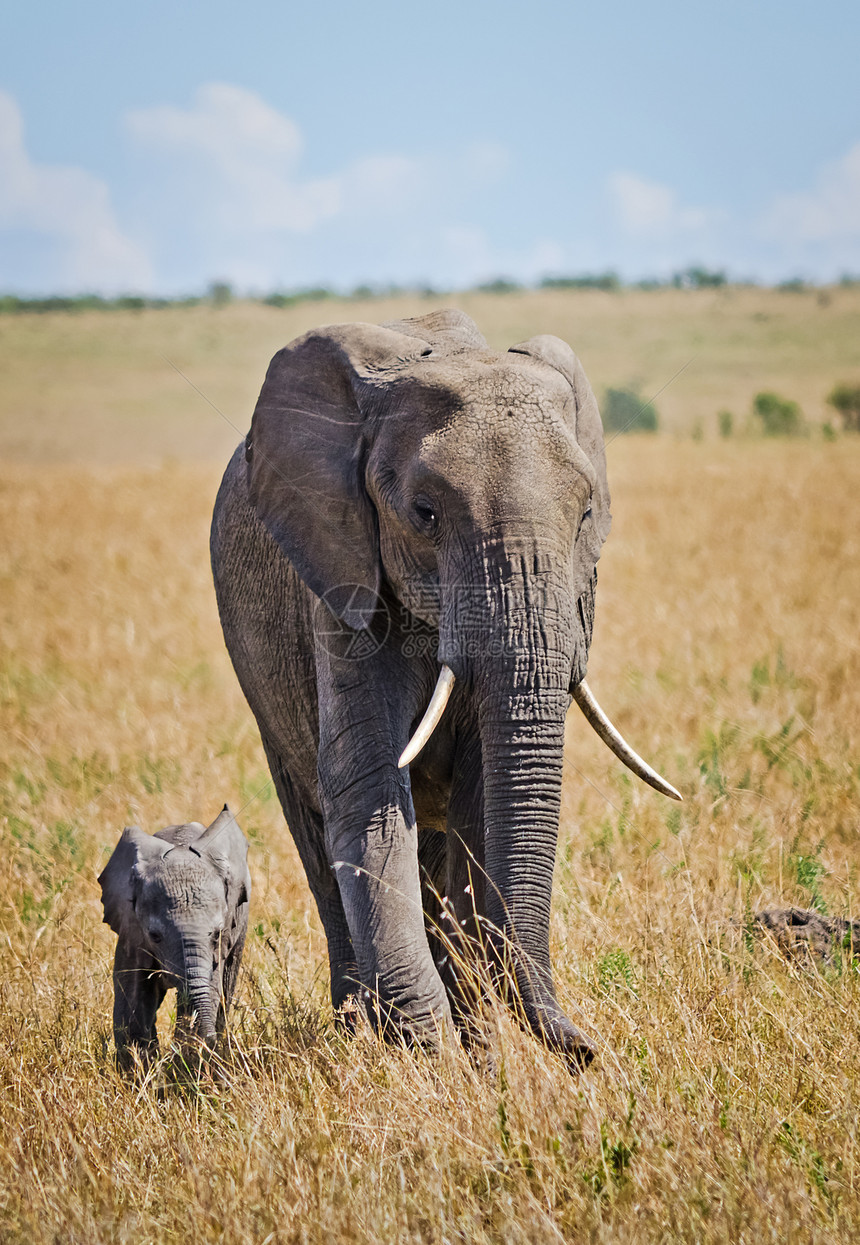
(155, 935)
(424, 516)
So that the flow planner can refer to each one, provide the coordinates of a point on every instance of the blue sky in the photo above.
(160, 146)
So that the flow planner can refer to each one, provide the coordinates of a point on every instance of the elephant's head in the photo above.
(413, 452)
(470, 483)
(177, 895)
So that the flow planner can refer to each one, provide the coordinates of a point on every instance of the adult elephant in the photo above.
(411, 510)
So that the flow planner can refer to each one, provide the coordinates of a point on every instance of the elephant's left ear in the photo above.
(226, 846)
(588, 427)
(306, 453)
(117, 879)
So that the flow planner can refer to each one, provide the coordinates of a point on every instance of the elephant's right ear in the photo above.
(227, 848)
(306, 452)
(117, 880)
(588, 427)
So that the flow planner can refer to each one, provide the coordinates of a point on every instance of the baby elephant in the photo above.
(178, 900)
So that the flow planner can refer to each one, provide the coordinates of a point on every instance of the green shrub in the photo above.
(289, 298)
(625, 410)
(278, 299)
(725, 423)
(846, 400)
(587, 281)
(220, 293)
(780, 417)
(500, 285)
(699, 278)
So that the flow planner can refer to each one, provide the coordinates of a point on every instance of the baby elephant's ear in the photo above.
(226, 846)
(117, 880)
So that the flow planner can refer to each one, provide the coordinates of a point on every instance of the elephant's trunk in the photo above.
(522, 760)
(522, 674)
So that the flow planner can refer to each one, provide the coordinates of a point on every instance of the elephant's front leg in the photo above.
(138, 992)
(372, 843)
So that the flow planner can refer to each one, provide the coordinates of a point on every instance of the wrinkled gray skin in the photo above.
(448, 503)
(178, 900)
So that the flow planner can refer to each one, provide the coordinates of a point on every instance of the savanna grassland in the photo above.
(725, 1103)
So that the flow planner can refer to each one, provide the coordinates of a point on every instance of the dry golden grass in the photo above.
(724, 1105)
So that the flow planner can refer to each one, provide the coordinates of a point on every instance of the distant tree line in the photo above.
(221, 293)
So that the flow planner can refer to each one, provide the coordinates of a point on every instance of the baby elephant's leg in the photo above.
(138, 992)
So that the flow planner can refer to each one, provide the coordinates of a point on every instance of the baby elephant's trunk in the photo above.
(198, 1000)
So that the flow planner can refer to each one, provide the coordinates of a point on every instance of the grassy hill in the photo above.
(101, 386)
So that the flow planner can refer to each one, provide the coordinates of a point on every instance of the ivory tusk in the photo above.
(598, 720)
(431, 718)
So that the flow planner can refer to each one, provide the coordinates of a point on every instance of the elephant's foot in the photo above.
(348, 1013)
(428, 1026)
(135, 1058)
(394, 1024)
(472, 1000)
(479, 1039)
(193, 1051)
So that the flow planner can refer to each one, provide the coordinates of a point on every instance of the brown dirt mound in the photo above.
(800, 932)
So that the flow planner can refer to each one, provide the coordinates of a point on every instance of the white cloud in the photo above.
(72, 209)
(830, 212)
(236, 127)
(395, 185)
(388, 184)
(230, 197)
(467, 243)
(219, 190)
(243, 155)
(246, 158)
(813, 232)
(649, 209)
